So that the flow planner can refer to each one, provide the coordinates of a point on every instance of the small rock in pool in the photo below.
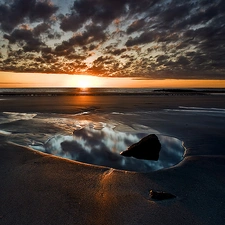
(160, 195)
(147, 148)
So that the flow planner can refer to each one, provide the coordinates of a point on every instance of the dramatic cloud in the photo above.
(16, 13)
(145, 38)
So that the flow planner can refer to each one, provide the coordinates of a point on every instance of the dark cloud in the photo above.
(71, 23)
(97, 11)
(162, 58)
(40, 28)
(150, 38)
(100, 11)
(16, 13)
(24, 38)
(199, 17)
(144, 38)
(135, 26)
(92, 34)
(175, 12)
(183, 61)
(42, 11)
(114, 51)
(19, 35)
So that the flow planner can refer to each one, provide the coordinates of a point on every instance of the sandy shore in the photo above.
(37, 188)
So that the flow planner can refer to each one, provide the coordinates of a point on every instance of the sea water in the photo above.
(107, 91)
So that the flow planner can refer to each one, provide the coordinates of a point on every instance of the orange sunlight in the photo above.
(23, 80)
(83, 81)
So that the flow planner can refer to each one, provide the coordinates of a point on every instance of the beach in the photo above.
(40, 188)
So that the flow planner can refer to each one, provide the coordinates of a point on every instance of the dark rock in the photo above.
(160, 195)
(147, 148)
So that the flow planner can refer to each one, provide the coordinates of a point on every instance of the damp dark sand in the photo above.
(37, 188)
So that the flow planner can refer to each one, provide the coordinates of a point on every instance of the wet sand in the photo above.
(37, 188)
(73, 104)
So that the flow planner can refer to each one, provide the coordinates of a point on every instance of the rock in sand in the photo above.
(160, 195)
(147, 148)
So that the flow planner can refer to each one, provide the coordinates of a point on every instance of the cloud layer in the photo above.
(146, 38)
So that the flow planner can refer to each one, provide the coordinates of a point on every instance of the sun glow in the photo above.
(23, 80)
(85, 81)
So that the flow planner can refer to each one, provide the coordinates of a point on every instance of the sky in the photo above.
(142, 42)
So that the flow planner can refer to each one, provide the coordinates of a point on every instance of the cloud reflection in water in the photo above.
(101, 145)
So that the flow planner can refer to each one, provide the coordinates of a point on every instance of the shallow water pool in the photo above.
(101, 145)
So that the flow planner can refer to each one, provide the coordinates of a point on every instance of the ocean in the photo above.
(94, 125)
(107, 91)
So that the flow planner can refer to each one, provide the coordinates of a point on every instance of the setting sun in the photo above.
(83, 83)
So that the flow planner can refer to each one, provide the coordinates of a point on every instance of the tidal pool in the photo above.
(101, 145)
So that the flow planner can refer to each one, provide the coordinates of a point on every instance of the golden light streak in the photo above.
(19, 80)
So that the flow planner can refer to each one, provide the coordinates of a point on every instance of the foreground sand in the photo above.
(41, 189)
